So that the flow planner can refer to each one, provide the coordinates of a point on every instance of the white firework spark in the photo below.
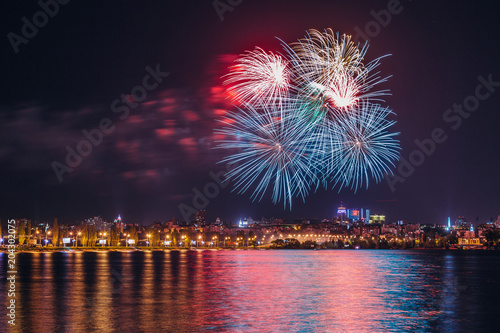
(259, 78)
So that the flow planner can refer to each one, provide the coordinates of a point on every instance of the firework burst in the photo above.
(307, 120)
(269, 152)
(360, 147)
(259, 78)
(321, 56)
(335, 63)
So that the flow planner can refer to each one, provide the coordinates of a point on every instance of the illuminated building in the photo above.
(353, 214)
(243, 223)
(342, 213)
(377, 219)
(469, 241)
(119, 224)
(460, 222)
(470, 238)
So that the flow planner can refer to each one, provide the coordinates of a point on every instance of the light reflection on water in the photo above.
(261, 291)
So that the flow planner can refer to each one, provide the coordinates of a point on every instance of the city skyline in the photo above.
(153, 157)
(350, 214)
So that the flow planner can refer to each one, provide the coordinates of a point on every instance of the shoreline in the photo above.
(158, 249)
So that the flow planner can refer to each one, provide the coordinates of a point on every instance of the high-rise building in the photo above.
(342, 213)
(460, 222)
(353, 214)
(119, 224)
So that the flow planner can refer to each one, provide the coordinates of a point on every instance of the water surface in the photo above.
(257, 291)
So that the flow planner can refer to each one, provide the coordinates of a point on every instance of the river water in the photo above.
(255, 291)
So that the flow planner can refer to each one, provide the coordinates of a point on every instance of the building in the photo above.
(99, 223)
(342, 213)
(377, 219)
(366, 217)
(460, 222)
(243, 223)
(119, 224)
(464, 241)
(200, 218)
(353, 215)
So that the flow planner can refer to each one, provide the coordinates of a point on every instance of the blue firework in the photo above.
(359, 147)
(273, 150)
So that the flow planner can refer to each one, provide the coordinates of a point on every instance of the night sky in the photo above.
(64, 80)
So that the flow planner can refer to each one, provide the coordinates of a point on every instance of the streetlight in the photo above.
(102, 234)
(148, 239)
(126, 239)
(78, 234)
(199, 238)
